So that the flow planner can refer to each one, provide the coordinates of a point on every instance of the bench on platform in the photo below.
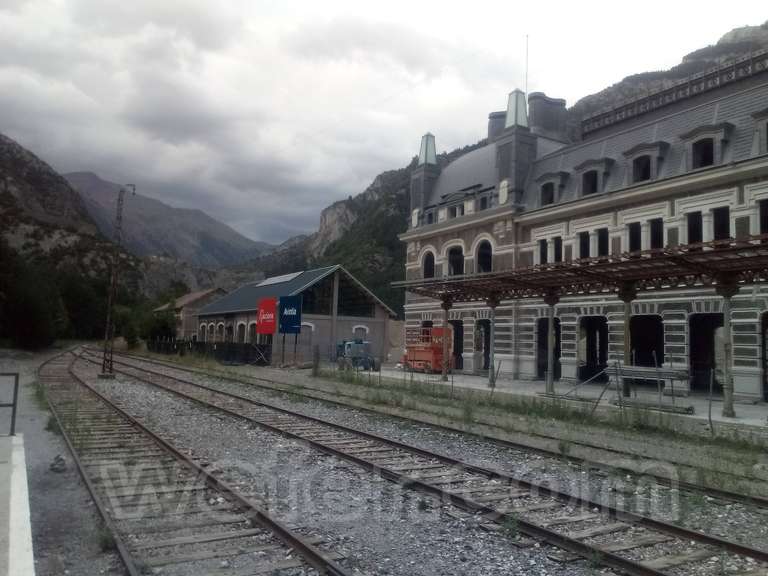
(673, 381)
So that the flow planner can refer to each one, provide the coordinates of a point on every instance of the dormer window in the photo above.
(551, 185)
(594, 174)
(703, 153)
(760, 144)
(641, 169)
(483, 203)
(706, 145)
(456, 211)
(589, 182)
(645, 161)
(548, 194)
(430, 217)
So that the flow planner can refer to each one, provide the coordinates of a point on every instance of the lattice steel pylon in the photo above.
(109, 331)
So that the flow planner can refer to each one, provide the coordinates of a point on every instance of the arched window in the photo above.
(252, 332)
(589, 182)
(203, 329)
(429, 265)
(456, 261)
(641, 169)
(703, 153)
(241, 333)
(548, 194)
(230, 333)
(484, 257)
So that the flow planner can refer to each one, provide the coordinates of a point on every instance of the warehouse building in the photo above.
(668, 175)
(335, 307)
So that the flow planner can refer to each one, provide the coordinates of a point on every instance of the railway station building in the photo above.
(185, 309)
(336, 307)
(678, 177)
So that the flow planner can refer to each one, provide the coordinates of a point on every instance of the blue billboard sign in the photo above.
(290, 315)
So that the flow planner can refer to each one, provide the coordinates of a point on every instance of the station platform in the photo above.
(16, 555)
(747, 413)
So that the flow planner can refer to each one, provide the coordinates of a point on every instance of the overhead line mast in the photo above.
(109, 331)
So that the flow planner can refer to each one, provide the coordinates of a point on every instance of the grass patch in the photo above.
(106, 539)
(52, 425)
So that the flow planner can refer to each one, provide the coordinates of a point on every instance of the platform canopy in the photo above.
(743, 261)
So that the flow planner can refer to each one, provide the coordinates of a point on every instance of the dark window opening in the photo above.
(452, 212)
(558, 249)
(429, 265)
(695, 227)
(703, 152)
(548, 194)
(657, 233)
(635, 236)
(641, 169)
(353, 300)
(543, 251)
(483, 203)
(583, 244)
(602, 242)
(456, 261)
(763, 206)
(430, 218)
(318, 299)
(721, 223)
(542, 348)
(593, 348)
(484, 257)
(589, 182)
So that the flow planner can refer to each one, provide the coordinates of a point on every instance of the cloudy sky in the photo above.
(262, 113)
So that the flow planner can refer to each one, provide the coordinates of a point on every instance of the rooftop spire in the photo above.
(427, 153)
(517, 114)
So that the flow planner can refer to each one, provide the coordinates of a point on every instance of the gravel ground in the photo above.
(379, 527)
(65, 523)
(735, 521)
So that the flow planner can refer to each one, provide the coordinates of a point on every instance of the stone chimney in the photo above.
(496, 121)
(548, 116)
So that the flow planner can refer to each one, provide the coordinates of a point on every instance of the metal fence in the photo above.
(222, 352)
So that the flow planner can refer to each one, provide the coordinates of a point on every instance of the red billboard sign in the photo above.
(267, 319)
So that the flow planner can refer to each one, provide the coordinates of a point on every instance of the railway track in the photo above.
(582, 528)
(162, 512)
(625, 473)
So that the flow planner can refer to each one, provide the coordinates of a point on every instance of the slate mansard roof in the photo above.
(246, 298)
(734, 107)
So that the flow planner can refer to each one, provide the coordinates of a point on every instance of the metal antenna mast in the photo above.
(109, 331)
(526, 65)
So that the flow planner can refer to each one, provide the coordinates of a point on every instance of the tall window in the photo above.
(635, 236)
(589, 182)
(583, 244)
(558, 249)
(548, 194)
(602, 242)
(430, 217)
(763, 207)
(641, 169)
(657, 233)
(721, 223)
(484, 257)
(455, 261)
(483, 204)
(543, 251)
(695, 227)
(429, 265)
(703, 152)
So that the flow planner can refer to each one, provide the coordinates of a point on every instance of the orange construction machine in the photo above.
(424, 349)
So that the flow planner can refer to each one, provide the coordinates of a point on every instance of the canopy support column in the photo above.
(492, 303)
(446, 305)
(551, 299)
(727, 289)
(627, 293)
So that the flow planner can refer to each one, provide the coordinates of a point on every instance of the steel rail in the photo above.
(310, 553)
(532, 529)
(661, 480)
